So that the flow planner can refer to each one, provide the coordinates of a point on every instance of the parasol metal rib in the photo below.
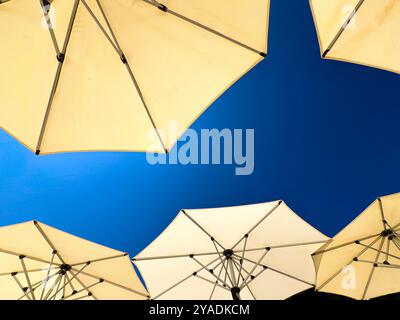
(255, 266)
(101, 259)
(133, 78)
(183, 280)
(28, 280)
(165, 9)
(111, 283)
(14, 275)
(74, 276)
(212, 282)
(343, 28)
(83, 297)
(259, 222)
(80, 282)
(84, 289)
(284, 246)
(114, 45)
(36, 285)
(275, 270)
(235, 263)
(70, 283)
(55, 251)
(26, 256)
(117, 48)
(387, 250)
(223, 263)
(60, 280)
(21, 271)
(230, 263)
(47, 275)
(354, 259)
(202, 229)
(216, 282)
(60, 58)
(241, 263)
(246, 283)
(379, 264)
(346, 244)
(46, 8)
(175, 256)
(205, 268)
(373, 269)
(46, 297)
(384, 221)
(374, 249)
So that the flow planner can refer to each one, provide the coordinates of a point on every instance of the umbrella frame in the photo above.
(65, 273)
(389, 233)
(232, 276)
(61, 53)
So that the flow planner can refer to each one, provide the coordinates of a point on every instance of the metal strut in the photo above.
(343, 28)
(165, 9)
(114, 42)
(60, 59)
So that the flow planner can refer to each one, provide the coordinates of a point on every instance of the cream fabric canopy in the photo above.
(260, 251)
(359, 31)
(38, 262)
(362, 261)
(89, 75)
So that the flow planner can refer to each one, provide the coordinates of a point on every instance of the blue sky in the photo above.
(326, 141)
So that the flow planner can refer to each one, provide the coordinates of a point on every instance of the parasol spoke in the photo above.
(212, 282)
(46, 8)
(182, 280)
(60, 58)
(343, 28)
(130, 71)
(47, 275)
(241, 264)
(256, 264)
(202, 229)
(258, 223)
(176, 256)
(103, 30)
(354, 259)
(202, 26)
(216, 282)
(205, 268)
(82, 290)
(235, 263)
(346, 244)
(100, 259)
(373, 269)
(28, 280)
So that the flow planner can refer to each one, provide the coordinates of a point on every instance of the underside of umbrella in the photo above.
(359, 31)
(250, 252)
(120, 75)
(363, 260)
(38, 262)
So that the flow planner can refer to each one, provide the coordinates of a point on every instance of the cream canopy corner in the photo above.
(359, 31)
(260, 251)
(38, 262)
(90, 75)
(363, 260)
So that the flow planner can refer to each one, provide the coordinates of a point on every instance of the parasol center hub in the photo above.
(228, 253)
(65, 267)
(388, 233)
